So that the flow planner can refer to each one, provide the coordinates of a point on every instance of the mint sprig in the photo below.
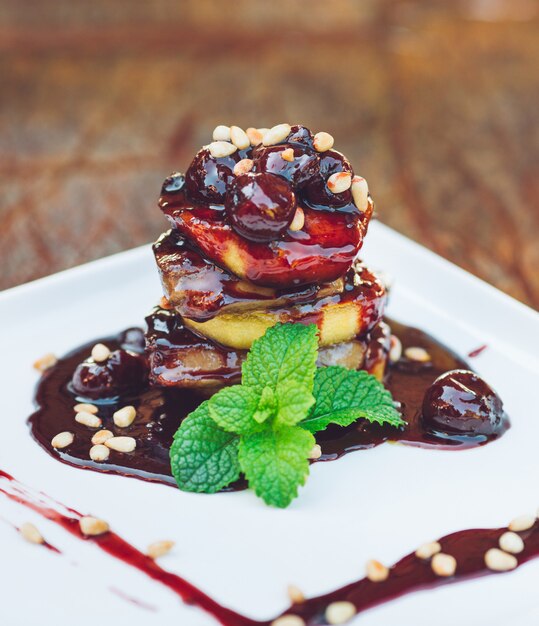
(264, 428)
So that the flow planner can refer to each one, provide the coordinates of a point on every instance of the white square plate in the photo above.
(241, 552)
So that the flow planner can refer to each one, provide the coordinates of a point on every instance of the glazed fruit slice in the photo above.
(180, 358)
(198, 289)
(339, 317)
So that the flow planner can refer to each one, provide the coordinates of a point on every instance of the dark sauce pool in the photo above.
(160, 411)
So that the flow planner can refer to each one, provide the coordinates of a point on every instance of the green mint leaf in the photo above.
(203, 457)
(233, 409)
(343, 396)
(275, 462)
(266, 406)
(285, 352)
(294, 401)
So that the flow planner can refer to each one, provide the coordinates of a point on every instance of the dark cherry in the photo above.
(260, 206)
(207, 177)
(173, 183)
(460, 403)
(300, 135)
(298, 172)
(122, 373)
(316, 192)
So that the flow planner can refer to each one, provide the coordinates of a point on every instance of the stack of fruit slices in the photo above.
(266, 228)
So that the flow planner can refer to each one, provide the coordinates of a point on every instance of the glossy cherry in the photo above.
(298, 171)
(316, 192)
(122, 373)
(207, 177)
(260, 206)
(459, 402)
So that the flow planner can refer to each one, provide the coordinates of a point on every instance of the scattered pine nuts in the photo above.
(159, 548)
(339, 612)
(288, 155)
(376, 571)
(522, 522)
(295, 594)
(62, 440)
(316, 452)
(220, 149)
(87, 419)
(93, 526)
(288, 620)
(242, 167)
(443, 564)
(415, 353)
(99, 453)
(101, 436)
(239, 137)
(339, 182)
(298, 220)
(499, 561)
(125, 416)
(395, 349)
(276, 134)
(121, 444)
(360, 192)
(255, 136)
(323, 141)
(511, 542)
(100, 353)
(221, 133)
(31, 533)
(428, 550)
(85, 408)
(45, 362)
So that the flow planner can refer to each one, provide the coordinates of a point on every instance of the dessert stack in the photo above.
(266, 228)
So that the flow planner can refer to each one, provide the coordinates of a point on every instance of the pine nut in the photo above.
(288, 155)
(316, 452)
(339, 612)
(101, 436)
(323, 141)
(360, 192)
(99, 453)
(428, 550)
(288, 620)
(93, 526)
(277, 134)
(239, 137)
(30, 533)
(522, 522)
(339, 182)
(415, 353)
(511, 542)
(220, 149)
(62, 440)
(87, 419)
(255, 136)
(395, 349)
(45, 362)
(121, 444)
(242, 167)
(221, 133)
(159, 548)
(376, 571)
(443, 564)
(86, 408)
(100, 353)
(295, 594)
(499, 561)
(125, 416)
(298, 221)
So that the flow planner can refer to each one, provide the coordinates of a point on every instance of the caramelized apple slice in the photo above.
(198, 289)
(339, 317)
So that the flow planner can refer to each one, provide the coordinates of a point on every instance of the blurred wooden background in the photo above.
(436, 103)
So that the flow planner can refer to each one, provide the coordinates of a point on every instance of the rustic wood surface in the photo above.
(436, 103)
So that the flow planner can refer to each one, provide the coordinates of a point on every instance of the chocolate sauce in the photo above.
(160, 410)
(408, 575)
